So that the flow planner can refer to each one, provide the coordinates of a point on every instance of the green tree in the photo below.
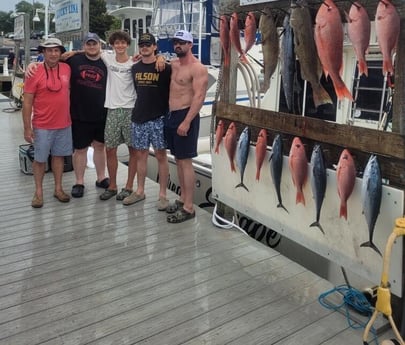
(100, 21)
(6, 22)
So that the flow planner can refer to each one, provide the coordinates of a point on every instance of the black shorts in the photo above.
(84, 133)
(181, 147)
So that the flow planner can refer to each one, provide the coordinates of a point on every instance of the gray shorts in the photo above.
(57, 142)
(118, 127)
(149, 133)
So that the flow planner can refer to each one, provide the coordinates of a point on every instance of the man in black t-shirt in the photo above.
(87, 95)
(152, 104)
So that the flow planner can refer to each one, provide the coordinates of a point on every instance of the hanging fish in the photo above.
(225, 39)
(346, 178)
(261, 149)
(371, 195)
(287, 62)
(230, 143)
(250, 31)
(242, 154)
(329, 44)
(276, 167)
(358, 30)
(298, 165)
(387, 24)
(234, 35)
(219, 134)
(304, 47)
(270, 45)
(318, 182)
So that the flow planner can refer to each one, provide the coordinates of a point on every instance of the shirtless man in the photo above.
(188, 88)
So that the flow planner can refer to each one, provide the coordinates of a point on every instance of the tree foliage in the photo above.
(100, 21)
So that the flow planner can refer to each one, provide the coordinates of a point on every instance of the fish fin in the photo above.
(280, 205)
(371, 245)
(343, 210)
(258, 175)
(300, 198)
(233, 167)
(320, 96)
(387, 67)
(363, 69)
(342, 91)
(241, 185)
(217, 149)
(318, 225)
(227, 60)
(244, 59)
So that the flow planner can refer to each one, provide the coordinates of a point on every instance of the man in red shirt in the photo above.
(46, 118)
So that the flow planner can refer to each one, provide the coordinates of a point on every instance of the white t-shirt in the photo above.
(120, 92)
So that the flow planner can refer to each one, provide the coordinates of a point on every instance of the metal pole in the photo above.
(46, 20)
(27, 39)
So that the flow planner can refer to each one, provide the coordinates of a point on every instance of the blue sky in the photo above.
(8, 5)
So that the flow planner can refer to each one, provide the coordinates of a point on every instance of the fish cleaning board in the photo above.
(342, 238)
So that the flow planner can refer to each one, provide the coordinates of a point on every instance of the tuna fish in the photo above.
(371, 194)
(387, 23)
(250, 31)
(234, 35)
(298, 165)
(261, 149)
(230, 142)
(304, 46)
(276, 167)
(225, 39)
(329, 44)
(288, 63)
(358, 29)
(219, 133)
(242, 154)
(346, 178)
(270, 45)
(318, 182)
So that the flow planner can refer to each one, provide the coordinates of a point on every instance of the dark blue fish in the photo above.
(288, 63)
(371, 194)
(318, 182)
(242, 154)
(276, 167)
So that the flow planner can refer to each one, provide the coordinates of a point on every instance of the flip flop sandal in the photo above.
(180, 216)
(104, 183)
(175, 206)
(108, 194)
(77, 191)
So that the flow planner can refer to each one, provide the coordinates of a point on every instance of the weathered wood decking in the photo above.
(94, 272)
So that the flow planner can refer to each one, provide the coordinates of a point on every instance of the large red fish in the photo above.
(358, 29)
(230, 143)
(298, 164)
(261, 147)
(346, 178)
(235, 37)
(387, 30)
(329, 44)
(219, 133)
(250, 31)
(225, 39)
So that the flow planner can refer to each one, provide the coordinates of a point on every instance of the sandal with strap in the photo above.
(180, 216)
(175, 206)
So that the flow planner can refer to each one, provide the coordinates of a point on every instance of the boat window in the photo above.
(148, 22)
(134, 23)
(127, 24)
(140, 24)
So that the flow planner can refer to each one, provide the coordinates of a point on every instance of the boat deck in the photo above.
(97, 272)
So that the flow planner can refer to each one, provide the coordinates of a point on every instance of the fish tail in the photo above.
(283, 207)
(371, 245)
(226, 60)
(217, 149)
(243, 58)
(318, 225)
(257, 174)
(320, 95)
(343, 210)
(363, 69)
(387, 67)
(233, 167)
(241, 185)
(341, 90)
(300, 198)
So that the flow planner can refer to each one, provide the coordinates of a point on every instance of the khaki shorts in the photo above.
(118, 127)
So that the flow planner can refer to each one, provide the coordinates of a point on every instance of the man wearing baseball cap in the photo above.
(188, 88)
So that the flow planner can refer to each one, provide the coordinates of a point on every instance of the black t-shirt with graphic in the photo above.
(87, 89)
(152, 89)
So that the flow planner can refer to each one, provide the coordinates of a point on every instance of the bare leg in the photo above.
(180, 176)
(163, 168)
(112, 166)
(132, 167)
(39, 172)
(187, 182)
(99, 158)
(57, 170)
(141, 161)
(79, 164)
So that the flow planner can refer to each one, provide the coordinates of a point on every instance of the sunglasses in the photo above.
(182, 43)
(141, 45)
(52, 84)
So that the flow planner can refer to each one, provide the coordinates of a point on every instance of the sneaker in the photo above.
(123, 194)
(108, 194)
(162, 204)
(133, 198)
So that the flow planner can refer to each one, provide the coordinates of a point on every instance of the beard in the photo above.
(180, 53)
